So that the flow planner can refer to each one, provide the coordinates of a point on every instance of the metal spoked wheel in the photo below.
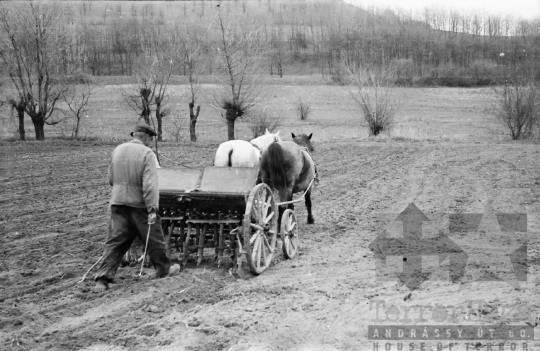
(289, 234)
(260, 228)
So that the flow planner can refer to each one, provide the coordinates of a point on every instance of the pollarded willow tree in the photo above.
(34, 46)
(239, 47)
(190, 49)
(153, 71)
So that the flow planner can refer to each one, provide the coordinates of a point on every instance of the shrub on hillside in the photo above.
(447, 70)
(303, 109)
(486, 81)
(404, 82)
(337, 77)
(482, 69)
(518, 110)
(80, 77)
(461, 82)
(404, 68)
(375, 96)
(425, 82)
(179, 122)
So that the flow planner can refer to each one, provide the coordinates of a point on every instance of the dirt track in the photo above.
(54, 210)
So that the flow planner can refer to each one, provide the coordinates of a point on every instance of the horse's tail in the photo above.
(223, 156)
(229, 163)
(273, 169)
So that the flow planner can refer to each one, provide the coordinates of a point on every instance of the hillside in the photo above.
(305, 37)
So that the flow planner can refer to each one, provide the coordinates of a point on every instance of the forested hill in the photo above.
(309, 36)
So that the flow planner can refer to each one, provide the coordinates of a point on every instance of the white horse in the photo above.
(240, 153)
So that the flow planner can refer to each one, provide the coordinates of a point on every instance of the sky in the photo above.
(528, 9)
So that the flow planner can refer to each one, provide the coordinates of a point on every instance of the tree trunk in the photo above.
(193, 120)
(76, 131)
(39, 124)
(160, 128)
(159, 118)
(230, 129)
(22, 133)
(145, 114)
(19, 107)
(145, 95)
(230, 116)
(192, 133)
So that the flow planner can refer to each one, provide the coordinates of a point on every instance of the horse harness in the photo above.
(304, 148)
(258, 148)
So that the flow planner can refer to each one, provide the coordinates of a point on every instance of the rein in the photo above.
(297, 199)
(257, 147)
(304, 148)
(178, 163)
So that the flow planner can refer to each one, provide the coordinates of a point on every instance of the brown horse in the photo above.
(288, 167)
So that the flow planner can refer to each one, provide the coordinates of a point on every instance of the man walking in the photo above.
(134, 205)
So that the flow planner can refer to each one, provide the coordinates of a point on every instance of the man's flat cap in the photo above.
(144, 128)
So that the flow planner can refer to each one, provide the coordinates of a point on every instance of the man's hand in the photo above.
(151, 218)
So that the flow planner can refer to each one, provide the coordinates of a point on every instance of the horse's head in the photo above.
(304, 140)
(264, 141)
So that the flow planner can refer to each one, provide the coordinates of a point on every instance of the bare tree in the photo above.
(190, 49)
(277, 57)
(33, 41)
(153, 73)
(239, 46)
(77, 99)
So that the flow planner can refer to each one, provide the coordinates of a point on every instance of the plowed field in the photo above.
(53, 220)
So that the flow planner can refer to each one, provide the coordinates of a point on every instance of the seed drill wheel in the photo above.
(289, 234)
(260, 228)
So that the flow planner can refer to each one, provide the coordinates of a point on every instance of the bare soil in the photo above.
(53, 215)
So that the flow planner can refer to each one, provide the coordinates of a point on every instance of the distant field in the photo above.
(426, 113)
